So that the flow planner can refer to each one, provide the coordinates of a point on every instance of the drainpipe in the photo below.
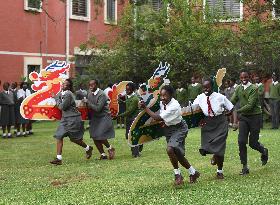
(67, 31)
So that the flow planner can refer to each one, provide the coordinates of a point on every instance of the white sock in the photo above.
(192, 170)
(4, 134)
(23, 133)
(220, 171)
(103, 154)
(59, 157)
(18, 133)
(27, 132)
(9, 134)
(177, 171)
(110, 147)
(122, 125)
(87, 148)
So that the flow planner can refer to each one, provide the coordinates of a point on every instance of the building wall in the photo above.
(25, 35)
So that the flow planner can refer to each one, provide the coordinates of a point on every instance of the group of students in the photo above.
(10, 100)
(214, 126)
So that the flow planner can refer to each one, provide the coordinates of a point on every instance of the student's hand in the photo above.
(142, 104)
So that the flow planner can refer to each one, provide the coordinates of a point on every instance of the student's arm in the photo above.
(234, 99)
(252, 100)
(151, 113)
(101, 102)
(65, 103)
(228, 106)
(131, 108)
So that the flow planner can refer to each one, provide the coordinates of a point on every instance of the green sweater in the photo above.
(261, 90)
(131, 105)
(249, 100)
(194, 91)
(182, 96)
(274, 91)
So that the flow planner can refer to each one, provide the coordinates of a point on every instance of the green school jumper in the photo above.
(274, 91)
(194, 91)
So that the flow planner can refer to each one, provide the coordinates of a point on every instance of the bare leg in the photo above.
(79, 142)
(99, 146)
(172, 157)
(9, 128)
(4, 128)
(220, 162)
(106, 143)
(59, 145)
(182, 159)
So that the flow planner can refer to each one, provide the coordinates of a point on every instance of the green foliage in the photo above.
(191, 43)
(27, 178)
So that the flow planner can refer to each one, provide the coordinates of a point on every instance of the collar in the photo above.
(63, 92)
(180, 89)
(95, 92)
(7, 91)
(258, 84)
(132, 94)
(247, 85)
(275, 83)
(235, 85)
(194, 84)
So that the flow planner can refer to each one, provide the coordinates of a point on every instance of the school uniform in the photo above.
(175, 128)
(260, 87)
(249, 119)
(194, 90)
(214, 131)
(182, 96)
(101, 124)
(81, 94)
(130, 114)
(21, 95)
(274, 102)
(70, 124)
(7, 116)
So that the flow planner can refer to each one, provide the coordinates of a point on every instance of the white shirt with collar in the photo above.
(247, 85)
(258, 84)
(218, 103)
(194, 84)
(22, 93)
(129, 96)
(172, 115)
(275, 82)
(95, 92)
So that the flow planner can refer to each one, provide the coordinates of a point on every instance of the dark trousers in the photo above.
(135, 151)
(249, 128)
(275, 108)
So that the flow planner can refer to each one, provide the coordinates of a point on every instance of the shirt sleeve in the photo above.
(169, 114)
(101, 102)
(65, 103)
(228, 105)
(252, 100)
(196, 101)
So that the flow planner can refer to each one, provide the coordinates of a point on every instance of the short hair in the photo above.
(169, 89)
(245, 71)
(6, 83)
(110, 85)
(131, 85)
(96, 81)
(23, 83)
(233, 80)
(209, 80)
(70, 84)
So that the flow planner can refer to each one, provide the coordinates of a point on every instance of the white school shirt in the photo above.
(247, 85)
(22, 93)
(172, 115)
(218, 103)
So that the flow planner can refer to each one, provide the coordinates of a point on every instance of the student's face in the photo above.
(207, 88)
(128, 90)
(244, 78)
(165, 97)
(6, 86)
(193, 80)
(226, 84)
(65, 85)
(14, 86)
(24, 86)
(92, 86)
(274, 77)
(256, 79)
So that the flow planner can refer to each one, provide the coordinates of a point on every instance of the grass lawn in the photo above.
(26, 177)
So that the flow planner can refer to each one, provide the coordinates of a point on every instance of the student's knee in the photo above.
(242, 144)
(170, 150)
(253, 144)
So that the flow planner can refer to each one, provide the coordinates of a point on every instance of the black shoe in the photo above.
(56, 161)
(103, 157)
(220, 176)
(244, 171)
(179, 180)
(264, 156)
(194, 177)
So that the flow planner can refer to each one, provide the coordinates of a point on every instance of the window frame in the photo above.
(230, 20)
(81, 18)
(27, 8)
(106, 21)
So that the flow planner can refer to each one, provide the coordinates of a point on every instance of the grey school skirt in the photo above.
(71, 127)
(101, 127)
(176, 135)
(7, 115)
(214, 134)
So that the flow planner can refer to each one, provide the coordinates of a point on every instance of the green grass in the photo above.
(26, 177)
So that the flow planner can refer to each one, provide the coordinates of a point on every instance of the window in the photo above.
(110, 12)
(32, 68)
(80, 10)
(156, 4)
(227, 10)
(33, 5)
(32, 64)
(276, 9)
